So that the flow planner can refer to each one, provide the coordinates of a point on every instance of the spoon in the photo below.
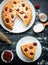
(40, 27)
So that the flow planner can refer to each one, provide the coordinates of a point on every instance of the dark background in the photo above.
(42, 37)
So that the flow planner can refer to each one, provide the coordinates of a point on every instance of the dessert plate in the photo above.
(19, 27)
(26, 40)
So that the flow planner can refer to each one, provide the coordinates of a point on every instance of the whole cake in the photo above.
(15, 8)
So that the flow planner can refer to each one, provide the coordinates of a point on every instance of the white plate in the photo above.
(19, 27)
(25, 40)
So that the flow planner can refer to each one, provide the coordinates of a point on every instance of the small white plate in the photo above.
(19, 27)
(26, 40)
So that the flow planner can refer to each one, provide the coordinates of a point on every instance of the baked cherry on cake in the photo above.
(15, 8)
(29, 50)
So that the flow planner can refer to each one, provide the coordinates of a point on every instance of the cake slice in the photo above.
(29, 50)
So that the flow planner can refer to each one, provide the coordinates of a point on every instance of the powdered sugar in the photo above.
(38, 27)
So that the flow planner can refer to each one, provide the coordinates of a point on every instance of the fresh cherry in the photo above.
(37, 6)
(7, 56)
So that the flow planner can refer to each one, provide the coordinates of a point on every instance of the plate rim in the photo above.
(29, 24)
(40, 46)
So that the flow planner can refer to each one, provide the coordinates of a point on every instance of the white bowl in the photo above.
(3, 54)
(43, 17)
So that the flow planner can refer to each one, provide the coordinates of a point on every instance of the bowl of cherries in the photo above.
(7, 56)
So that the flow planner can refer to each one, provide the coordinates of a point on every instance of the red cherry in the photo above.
(21, 12)
(35, 44)
(37, 6)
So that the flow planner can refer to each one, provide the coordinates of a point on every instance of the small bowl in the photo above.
(3, 54)
(38, 27)
(43, 17)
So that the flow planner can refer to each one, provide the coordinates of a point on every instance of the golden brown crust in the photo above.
(29, 50)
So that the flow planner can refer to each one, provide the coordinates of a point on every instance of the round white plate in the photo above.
(19, 27)
(26, 40)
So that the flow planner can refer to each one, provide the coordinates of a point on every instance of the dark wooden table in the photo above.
(42, 37)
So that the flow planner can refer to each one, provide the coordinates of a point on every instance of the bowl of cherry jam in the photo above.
(7, 56)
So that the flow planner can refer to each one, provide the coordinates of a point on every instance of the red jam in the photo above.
(7, 56)
(37, 6)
